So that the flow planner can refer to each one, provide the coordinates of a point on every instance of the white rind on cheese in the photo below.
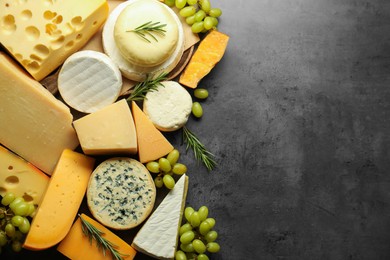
(169, 106)
(121, 193)
(128, 69)
(89, 81)
(158, 237)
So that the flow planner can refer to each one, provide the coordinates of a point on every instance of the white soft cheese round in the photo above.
(129, 69)
(146, 50)
(169, 106)
(89, 81)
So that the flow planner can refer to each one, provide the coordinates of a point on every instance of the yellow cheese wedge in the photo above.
(77, 246)
(42, 34)
(110, 130)
(152, 144)
(21, 177)
(33, 123)
(61, 201)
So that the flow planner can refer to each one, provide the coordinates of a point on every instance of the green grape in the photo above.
(188, 248)
(195, 219)
(18, 235)
(187, 237)
(9, 230)
(21, 209)
(17, 220)
(8, 198)
(211, 236)
(180, 255)
(201, 93)
(199, 246)
(187, 11)
(158, 181)
(169, 182)
(169, 3)
(188, 212)
(25, 226)
(211, 221)
(3, 239)
(179, 169)
(208, 22)
(180, 3)
(184, 228)
(190, 20)
(203, 257)
(164, 164)
(16, 246)
(213, 247)
(192, 2)
(215, 21)
(197, 109)
(173, 156)
(200, 15)
(153, 167)
(197, 27)
(31, 209)
(203, 213)
(215, 12)
(204, 228)
(191, 256)
(16, 201)
(205, 5)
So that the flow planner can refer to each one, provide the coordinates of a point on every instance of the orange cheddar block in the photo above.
(77, 246)
(210, 51)
(61, 201)
(152, 144)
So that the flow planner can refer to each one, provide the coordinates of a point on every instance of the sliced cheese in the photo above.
(21, 177)
(42, 34)
(158, 237)
(89, 81)
(110, 130)
(152, 144)
(121, 193)
(33, 123)
(61, 201)
(129, 69)
(77, 246)
(169, 106)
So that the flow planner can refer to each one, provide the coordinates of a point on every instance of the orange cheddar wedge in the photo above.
(77, 246)
(152, 144)
(61, 201)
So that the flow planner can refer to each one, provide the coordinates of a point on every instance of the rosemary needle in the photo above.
(150, 28)
(142, 88)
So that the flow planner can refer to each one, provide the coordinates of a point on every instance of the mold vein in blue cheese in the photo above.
(121, 193)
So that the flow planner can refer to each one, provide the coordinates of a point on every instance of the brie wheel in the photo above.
(169, 106)
(130, 70)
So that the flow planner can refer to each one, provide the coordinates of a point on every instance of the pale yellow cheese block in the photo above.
(33, 123)
(110, 130)
(42, 34)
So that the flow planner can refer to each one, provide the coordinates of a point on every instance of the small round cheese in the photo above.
(121, 193)
(169, 106)
(146, 51)
(89, 81)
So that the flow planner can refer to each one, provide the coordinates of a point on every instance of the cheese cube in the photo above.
(42, 34)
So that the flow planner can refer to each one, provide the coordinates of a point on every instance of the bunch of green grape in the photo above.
(198, 13)
(197, 236)
(165, 167)
(14, 221)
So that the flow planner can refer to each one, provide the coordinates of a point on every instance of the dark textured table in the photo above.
(299, 119)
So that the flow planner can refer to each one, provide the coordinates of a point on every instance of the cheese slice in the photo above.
(42, 34)
(61, 201)
(158, 237)
(89, 81)
(152, 144)
(77, 246)
(33, 123)
(21, 177)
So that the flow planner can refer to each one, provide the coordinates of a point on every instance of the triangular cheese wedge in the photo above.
(152, 144)
(159, 235)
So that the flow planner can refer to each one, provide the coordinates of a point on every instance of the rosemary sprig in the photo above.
(94, 233)
(142, 88)
(200, 151)
(150, 28)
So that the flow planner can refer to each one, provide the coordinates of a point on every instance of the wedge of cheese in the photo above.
(61, 201)
(77, 246)
(152, 144)
(33, 123)
(110, 130)
(158, 237)
(42, 34)
(21, 177)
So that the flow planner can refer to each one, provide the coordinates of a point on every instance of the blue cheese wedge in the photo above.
(158, 237)
(121, 193)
